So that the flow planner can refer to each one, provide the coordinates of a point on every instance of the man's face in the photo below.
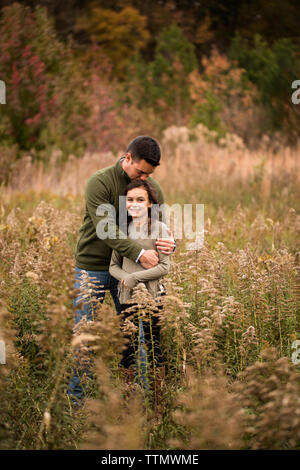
(138, 170)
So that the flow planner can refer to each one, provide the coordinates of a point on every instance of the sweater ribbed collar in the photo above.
(120, 171)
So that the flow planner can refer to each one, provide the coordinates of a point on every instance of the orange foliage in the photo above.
(230, 88)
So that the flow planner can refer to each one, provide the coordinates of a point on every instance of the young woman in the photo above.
(140, 196)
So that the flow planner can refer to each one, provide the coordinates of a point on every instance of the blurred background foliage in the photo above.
(90, 75)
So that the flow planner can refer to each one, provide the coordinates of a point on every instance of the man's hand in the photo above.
(149, 259)
(166, 245)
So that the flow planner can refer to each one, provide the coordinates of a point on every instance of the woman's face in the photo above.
(137, 202)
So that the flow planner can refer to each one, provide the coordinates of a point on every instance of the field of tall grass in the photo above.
(229, 322)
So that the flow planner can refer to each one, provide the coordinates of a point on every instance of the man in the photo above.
(93, 253)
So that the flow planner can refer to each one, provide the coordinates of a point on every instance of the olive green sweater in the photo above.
(104, 187)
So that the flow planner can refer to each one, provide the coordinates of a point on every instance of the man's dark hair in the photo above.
(146, 148)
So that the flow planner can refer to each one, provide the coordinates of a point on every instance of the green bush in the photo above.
(272, 68)
(162, 84)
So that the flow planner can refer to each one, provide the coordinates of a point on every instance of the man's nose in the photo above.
(143, 177)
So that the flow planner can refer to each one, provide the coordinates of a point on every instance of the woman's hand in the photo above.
(129, 282)
(123, 282)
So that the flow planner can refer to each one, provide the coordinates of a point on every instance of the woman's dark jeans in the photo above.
(144, 349)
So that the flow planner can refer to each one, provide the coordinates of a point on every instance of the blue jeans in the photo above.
(77, 386)
(103, 278)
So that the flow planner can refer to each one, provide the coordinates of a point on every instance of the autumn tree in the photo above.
(29, 53)
(224, 98)
(54, 100)
(120, 34)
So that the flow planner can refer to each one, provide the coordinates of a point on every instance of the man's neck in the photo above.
(122, 161)
(123, 165)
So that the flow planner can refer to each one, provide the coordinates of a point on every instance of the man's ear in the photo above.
(128, 157)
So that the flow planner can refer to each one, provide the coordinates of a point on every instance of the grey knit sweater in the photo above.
(133, 273)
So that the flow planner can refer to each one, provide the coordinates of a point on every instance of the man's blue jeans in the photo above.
(105, 282)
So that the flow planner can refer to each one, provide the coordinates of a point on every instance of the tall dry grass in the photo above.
(188, 157)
